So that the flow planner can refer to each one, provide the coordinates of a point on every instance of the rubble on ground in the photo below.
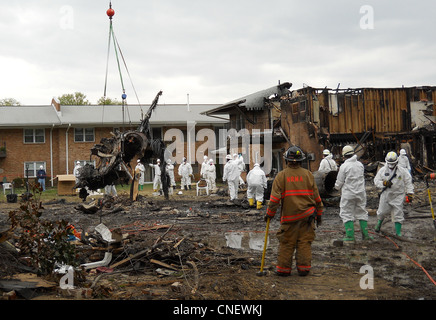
(204, 247)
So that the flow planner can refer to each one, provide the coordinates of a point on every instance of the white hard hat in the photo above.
(205, 157)
(78, 162)
(210, 160)
(138, 160)
(391, 158)
(402, 151)
(228, 157)
(326, 152)
(347, 151)
(158, 160)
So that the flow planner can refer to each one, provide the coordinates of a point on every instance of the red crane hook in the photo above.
(110, 12)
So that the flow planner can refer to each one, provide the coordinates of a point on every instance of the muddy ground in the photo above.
(206, 248)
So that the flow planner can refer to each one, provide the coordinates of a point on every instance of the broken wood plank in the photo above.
(162, 236)
(136, 255)
(156, 283)
(25, 281)
(163, 264)
(178, 243)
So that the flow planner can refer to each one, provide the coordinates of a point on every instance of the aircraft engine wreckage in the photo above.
(113, 156)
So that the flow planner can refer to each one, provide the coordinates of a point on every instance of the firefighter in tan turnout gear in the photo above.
(294, 188)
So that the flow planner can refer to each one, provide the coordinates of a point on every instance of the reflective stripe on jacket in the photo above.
(296, 191)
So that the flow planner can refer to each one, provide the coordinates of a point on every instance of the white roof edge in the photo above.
(13, 116)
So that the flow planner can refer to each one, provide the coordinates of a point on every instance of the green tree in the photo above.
(9, 102)
(76, 99)
(108, 101)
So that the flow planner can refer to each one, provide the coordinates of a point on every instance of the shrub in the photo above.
(46, 242)
(18, 182)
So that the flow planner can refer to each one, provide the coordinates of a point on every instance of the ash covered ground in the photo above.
(205, 248)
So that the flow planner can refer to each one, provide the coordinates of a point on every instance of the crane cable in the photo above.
(116, 45)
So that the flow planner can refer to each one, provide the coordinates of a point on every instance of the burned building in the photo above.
(374, 120)
(254, 118)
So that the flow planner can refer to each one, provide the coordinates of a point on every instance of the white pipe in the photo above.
(66, 145)
(188, 102)
(106, 260)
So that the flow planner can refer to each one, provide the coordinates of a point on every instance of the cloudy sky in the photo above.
(215, 51)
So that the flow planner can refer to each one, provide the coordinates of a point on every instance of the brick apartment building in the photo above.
(56, 136)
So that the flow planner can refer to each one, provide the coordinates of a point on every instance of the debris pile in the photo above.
(166, 263)
(205, 247)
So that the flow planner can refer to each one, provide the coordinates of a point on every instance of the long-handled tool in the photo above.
(261, 272)
(431, 204)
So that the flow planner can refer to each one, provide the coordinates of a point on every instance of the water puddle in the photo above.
(244, 240)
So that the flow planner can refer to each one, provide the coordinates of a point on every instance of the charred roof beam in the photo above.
(245, 115)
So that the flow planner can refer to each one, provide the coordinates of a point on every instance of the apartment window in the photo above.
(34, 136)
(84, 135)
(31, 168)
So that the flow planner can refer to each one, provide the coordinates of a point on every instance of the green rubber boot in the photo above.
(378, 225)
(398, 228)
(364, 230)
(349, 231)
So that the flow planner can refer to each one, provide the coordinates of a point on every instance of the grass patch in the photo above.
(51, 193)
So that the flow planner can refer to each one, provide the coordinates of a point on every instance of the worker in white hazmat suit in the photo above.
(327, 164)
(185, 171)
(170, 171)
(395, 182)
(231, 175)
(351, 182)
(211, 175)
(203, 167)
(76, 171)
(157, 181)
(141, 168)
(111, 190)
(256, 182)
(403, 161)
(241, 166)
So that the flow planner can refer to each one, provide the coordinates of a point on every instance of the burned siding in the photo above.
(376, 120)
(361, 110)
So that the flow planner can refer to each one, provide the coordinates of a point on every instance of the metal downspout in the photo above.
(51, 154)
(66, 146)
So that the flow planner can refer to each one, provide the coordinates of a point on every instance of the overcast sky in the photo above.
(215, 51)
